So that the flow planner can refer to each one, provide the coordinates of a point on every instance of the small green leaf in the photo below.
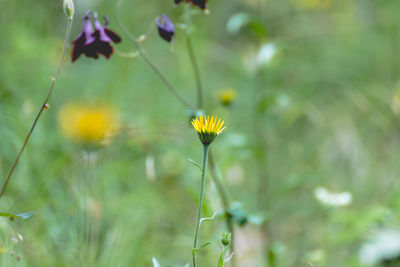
(195, 164)
(271, 258)
(258, 28)
(200, 247)
(221, 261)
(25, 215)
(205, 245)
(210, 218)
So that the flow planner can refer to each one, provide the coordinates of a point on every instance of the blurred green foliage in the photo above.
(327, 106)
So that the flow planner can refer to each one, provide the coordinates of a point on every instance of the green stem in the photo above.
(223, 194)
(203, 182)
(153, 65)
(193, 59)
(53, 83)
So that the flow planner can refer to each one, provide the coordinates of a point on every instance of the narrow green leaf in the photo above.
(195, 164)
(271, 258)
(221, 261)
(200, 247)
(206, 219)
(25, 215)
(205, 245)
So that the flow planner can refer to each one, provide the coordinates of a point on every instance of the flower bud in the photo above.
(208, 128)
(69, 8)
(225, 238)
(227, 96)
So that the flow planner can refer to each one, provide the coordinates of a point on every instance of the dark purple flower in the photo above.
(104, 37)
(166, 28)
(200, 3)
(84, 40)
(94, 43)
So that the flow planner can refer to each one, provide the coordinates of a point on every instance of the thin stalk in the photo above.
(263, 186)
(54, 79)
(203, 182)
(153, 65)
(263, 193)
(193, 59)
(223, 194)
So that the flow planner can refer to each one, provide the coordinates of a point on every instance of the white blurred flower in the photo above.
(266, 54)
(316, 255)
(383, 245)
(328, 198)
(150, 168)
(261, 58)
(236, 22)
(155, 262)
(17, 238)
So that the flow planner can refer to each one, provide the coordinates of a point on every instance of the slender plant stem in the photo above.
(213, 166)
(203, 182)
(153, 65)
(223, 194)
(193, 59)
(263, 187)
(261, 153)
(53, 83)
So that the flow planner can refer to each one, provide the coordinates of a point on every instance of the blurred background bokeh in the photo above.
(309, 91)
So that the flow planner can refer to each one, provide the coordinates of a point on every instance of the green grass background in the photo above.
(329, 111)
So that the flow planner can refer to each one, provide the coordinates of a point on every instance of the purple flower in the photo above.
(94, 43)
(104, 37)
(165, 28)
(84, 40)
(200, 3)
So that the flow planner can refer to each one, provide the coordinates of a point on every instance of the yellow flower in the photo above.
(88, 124)
(227, 96)
(208, 129)
(313, 4)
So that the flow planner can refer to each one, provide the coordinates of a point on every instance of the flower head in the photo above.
(383, 246)
(69, 8)
(208, 129)
(329, 198)
(166, 28)
(93, 43)
(84, 40)
(88, 124)
(200, 3)
(226, 238)
(104, 37)
(227, 96)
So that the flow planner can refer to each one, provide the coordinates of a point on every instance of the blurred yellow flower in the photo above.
(312, 4)
(227, 96)
(88, 123)
(395, 104)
